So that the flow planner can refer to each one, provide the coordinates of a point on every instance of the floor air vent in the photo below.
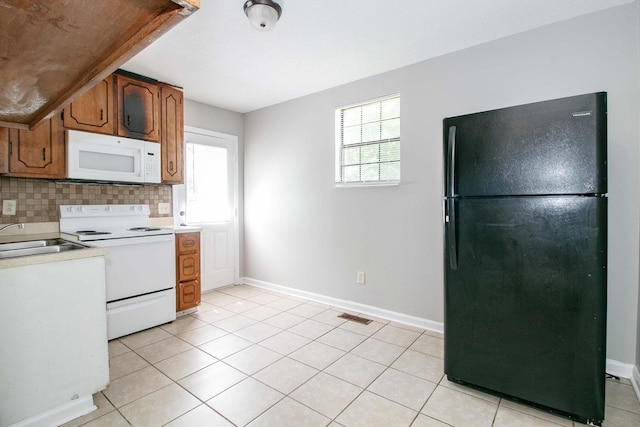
(355, 318)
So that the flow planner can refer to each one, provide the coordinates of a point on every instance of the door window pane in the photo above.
(207, 184)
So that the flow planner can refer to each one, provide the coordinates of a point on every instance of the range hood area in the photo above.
(52, 51)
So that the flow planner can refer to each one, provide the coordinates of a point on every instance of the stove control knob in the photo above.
(133, 208)
(80, 209)
(108, 209)
(140, 207)
(69, 208)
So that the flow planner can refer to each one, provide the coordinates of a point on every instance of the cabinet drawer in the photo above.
(188, 295)
(188, 242)
(188, 266)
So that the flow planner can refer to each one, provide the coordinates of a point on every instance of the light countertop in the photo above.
(45, 258)
(178, 229)
(167, 222)
(44, 231)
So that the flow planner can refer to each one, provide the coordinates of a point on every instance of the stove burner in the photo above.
(144, 229)
(91, 232)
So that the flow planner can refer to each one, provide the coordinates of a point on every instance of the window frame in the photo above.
(339, 145)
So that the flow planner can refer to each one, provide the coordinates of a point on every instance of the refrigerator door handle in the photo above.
(451, 164)
(451, 233)
(449, 193)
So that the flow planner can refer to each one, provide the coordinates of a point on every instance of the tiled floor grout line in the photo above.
(495, 414)
(425, 404)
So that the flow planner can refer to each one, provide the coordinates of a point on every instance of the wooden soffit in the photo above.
(52, 51)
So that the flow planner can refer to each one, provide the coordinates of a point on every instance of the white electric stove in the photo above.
(140, 266)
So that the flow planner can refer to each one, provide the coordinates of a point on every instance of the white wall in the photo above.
(302, 232)
(213, 118)
(217, 119)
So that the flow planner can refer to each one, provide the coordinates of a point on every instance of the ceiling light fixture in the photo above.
(263, 14)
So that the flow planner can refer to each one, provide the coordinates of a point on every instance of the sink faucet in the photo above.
(19, 225)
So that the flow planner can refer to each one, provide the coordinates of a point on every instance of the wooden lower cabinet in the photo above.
(187, 271)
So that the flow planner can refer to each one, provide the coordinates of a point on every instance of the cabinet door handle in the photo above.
(101, 114)
(189, 243)
(170, 166)
(44, 154)
(128, 120)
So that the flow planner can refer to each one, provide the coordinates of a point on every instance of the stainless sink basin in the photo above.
(22, 245)
(37, 247)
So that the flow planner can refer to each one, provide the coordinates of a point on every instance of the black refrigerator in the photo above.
(526, 253)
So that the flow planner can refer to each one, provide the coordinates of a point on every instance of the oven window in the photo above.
(206, 184)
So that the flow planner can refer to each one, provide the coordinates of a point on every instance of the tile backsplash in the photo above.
(38, 199)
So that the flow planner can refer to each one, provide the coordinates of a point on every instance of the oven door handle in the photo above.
(115, 307)
(128, 241)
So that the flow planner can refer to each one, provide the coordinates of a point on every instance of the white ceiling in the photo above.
(220, 60)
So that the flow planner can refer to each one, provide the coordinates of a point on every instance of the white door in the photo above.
(208, 199)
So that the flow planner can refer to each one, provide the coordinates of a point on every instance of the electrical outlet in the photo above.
(360, 277)
(164, 208)
(9, 207)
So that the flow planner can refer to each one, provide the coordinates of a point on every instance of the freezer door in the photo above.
(550, 147)
(525, 309)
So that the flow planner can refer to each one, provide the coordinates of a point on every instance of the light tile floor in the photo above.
(259, 358)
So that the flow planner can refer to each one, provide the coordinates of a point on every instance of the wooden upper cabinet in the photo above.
(4, 150)
(93, 111)
(172, 134)
(39, 153)
(138, 104)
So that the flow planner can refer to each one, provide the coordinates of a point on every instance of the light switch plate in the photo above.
(9, 207)
(164, 208)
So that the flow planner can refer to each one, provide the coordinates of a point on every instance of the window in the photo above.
(207, 187)
(368, 142)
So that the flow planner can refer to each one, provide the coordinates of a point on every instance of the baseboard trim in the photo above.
(60, 414)
(635, 381)
(614, 367)
(394, 316)
(619, 369)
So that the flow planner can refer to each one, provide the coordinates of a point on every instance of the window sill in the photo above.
(367, 184)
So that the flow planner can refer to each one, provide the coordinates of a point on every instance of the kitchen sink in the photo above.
(37, 247)
(22, 245)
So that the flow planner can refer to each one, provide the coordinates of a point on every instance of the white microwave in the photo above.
(96, 157)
